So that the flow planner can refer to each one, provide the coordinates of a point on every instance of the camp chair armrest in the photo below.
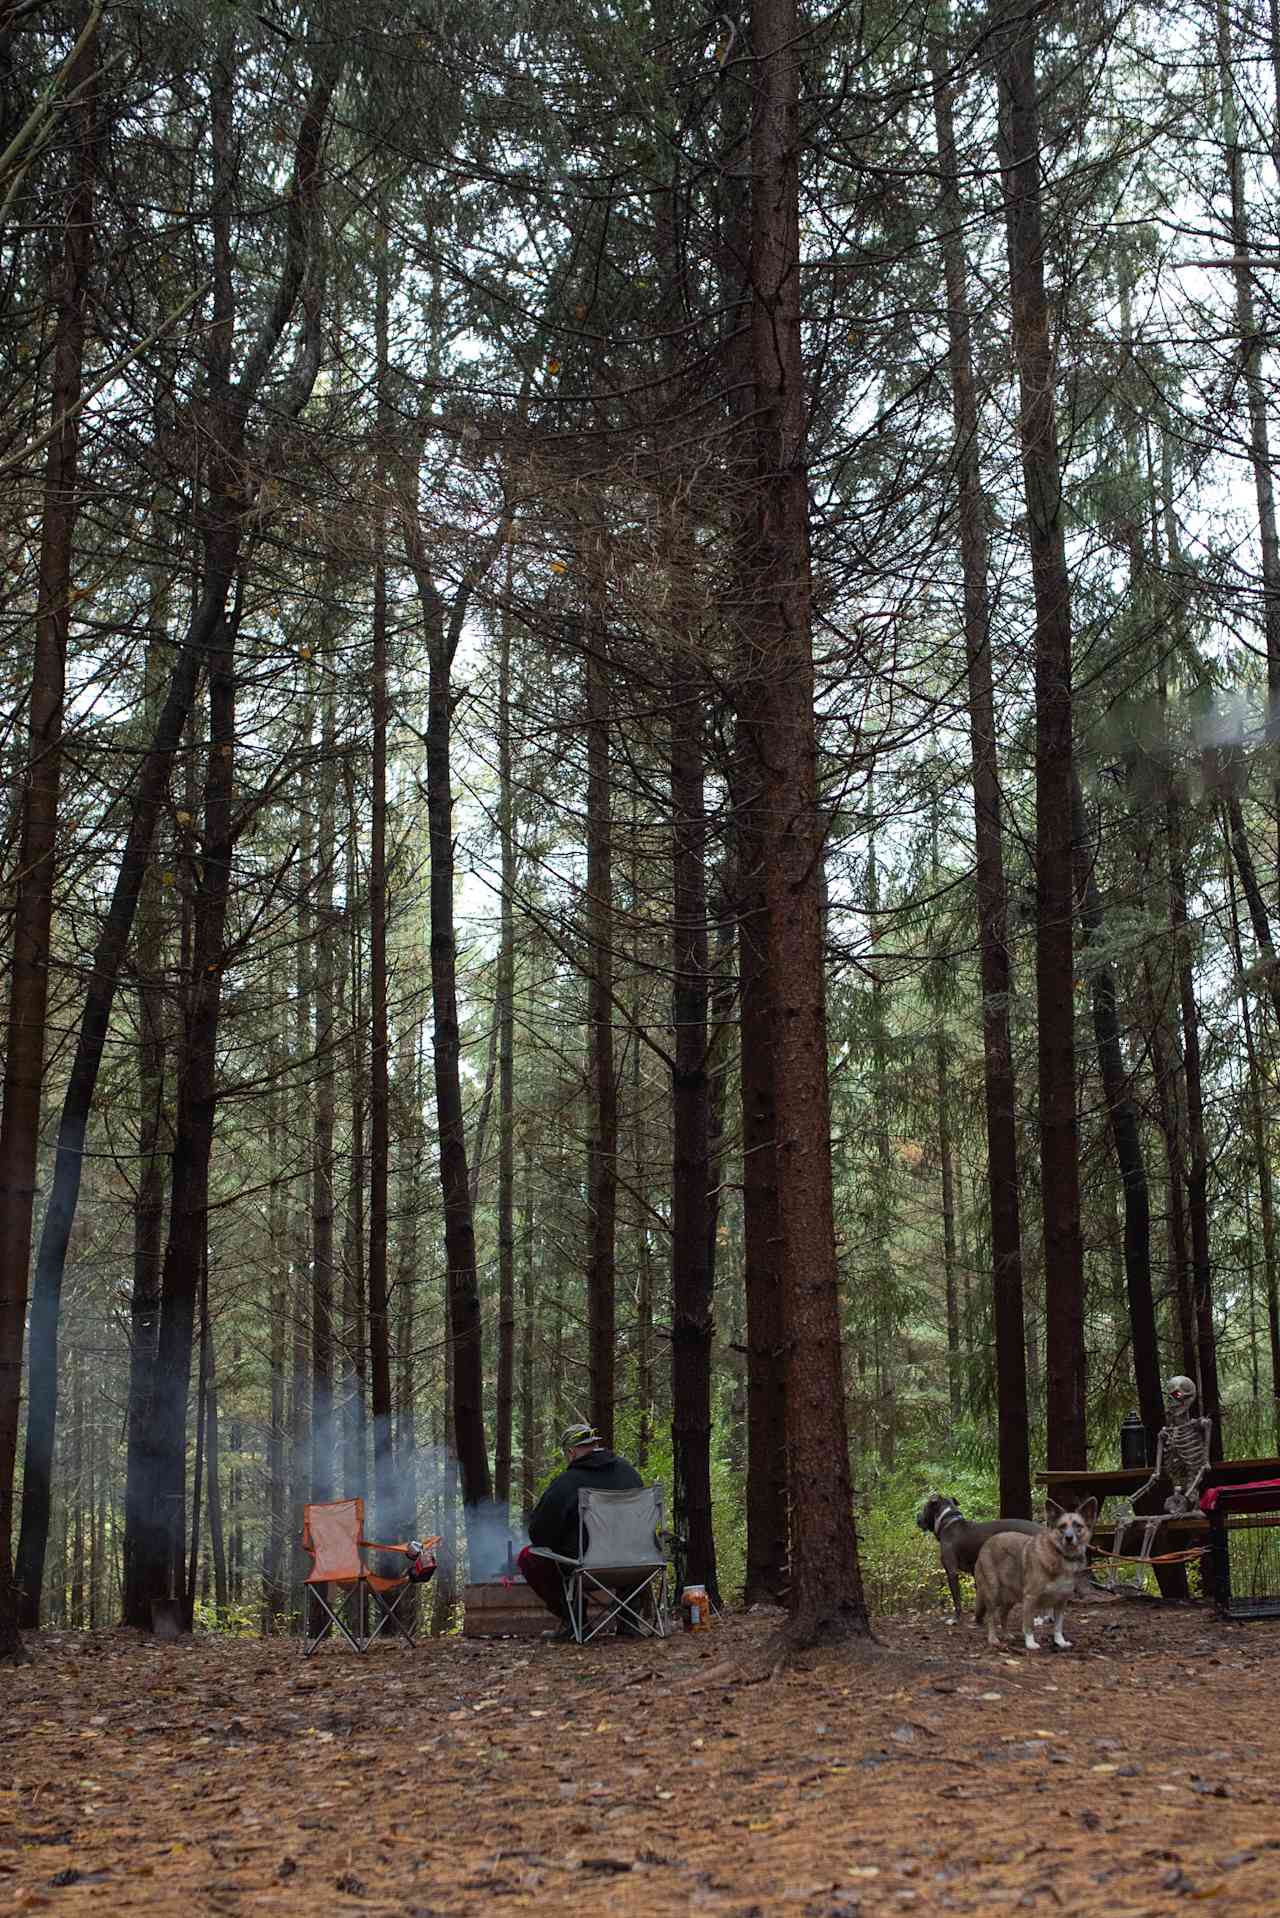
(545, 1551)
(380, 1545)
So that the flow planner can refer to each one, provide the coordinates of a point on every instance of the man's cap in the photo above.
(580, 1434)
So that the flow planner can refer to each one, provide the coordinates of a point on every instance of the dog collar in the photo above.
(946, 1518)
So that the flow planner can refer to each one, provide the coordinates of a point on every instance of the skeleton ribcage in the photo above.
(1185, 1451)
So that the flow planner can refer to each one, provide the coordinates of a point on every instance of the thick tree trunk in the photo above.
(1020, 160)
(691, 1271)
(1001, 1100)
(826, 1584)
(33, 904)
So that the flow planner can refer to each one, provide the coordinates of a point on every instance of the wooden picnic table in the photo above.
(1076, 1485)
(1073, 1486)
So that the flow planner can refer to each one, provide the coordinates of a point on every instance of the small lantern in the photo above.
(1133, 1444)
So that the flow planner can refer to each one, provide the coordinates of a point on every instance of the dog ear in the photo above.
(1052, 1511)
(1089, 1512)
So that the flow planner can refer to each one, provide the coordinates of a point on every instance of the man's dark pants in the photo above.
(543, 1577)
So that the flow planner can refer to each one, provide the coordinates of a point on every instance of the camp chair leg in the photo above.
(332, 1618)
(620, 1606)
(389, 1616)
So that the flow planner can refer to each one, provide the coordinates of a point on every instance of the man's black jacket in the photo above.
(554, 1524)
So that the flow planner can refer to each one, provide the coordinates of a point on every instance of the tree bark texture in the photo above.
(323, 1181)
(505, 1394)
(1122, 1114)
(1000, 1088)
(33, 904)
(1020, 157)
(602, 1148)
(467, 1373)
(1262, 1162)
(691, 1269)
(826, 1583)
(1197, 1159)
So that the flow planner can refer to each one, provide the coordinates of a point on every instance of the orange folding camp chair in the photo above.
(333, 1534)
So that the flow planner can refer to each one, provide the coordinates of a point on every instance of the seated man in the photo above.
(554, 1522)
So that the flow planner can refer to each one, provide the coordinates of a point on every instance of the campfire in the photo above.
(499, 1604)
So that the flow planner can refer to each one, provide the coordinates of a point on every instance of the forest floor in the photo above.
(1138, 1773)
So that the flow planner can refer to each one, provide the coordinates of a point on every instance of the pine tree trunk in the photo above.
(1020, 161)
(1252, 339)
(148, 1236)
(1262, 1162)
(506, 1070)
(465, 1331)
(602, 1148)
(217, 1532)
(1001, 1098)
(274, 1588)
(1122, 1114)
(302, 1287)
(164, 1447)
(1197, 1162)
(31, 930)
(826, 1584)
(380, 1048)
(323, 1182)
(529, 1449)
(766, 1492)
(691, 1271)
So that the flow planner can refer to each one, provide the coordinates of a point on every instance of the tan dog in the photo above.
(1037, 1572)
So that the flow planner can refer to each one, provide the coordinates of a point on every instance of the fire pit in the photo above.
(502, 1605)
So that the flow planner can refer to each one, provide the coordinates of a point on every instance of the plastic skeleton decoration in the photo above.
(1182, 1453)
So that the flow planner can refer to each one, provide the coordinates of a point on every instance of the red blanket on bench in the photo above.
(1261, 1493)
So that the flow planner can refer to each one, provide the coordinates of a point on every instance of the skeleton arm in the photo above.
(1157, 1472)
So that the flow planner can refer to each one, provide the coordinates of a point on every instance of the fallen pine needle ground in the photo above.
(1136, 1774)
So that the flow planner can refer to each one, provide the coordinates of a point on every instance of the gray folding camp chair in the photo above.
(620, 1572)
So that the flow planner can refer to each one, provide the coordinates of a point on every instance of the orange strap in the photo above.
(1164, 1558)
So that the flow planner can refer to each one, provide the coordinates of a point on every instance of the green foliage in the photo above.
(235, 1621)
(900, 1566)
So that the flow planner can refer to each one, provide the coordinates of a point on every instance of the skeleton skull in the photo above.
(1180, 1395)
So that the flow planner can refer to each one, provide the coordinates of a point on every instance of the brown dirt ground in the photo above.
(1137, 1774)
